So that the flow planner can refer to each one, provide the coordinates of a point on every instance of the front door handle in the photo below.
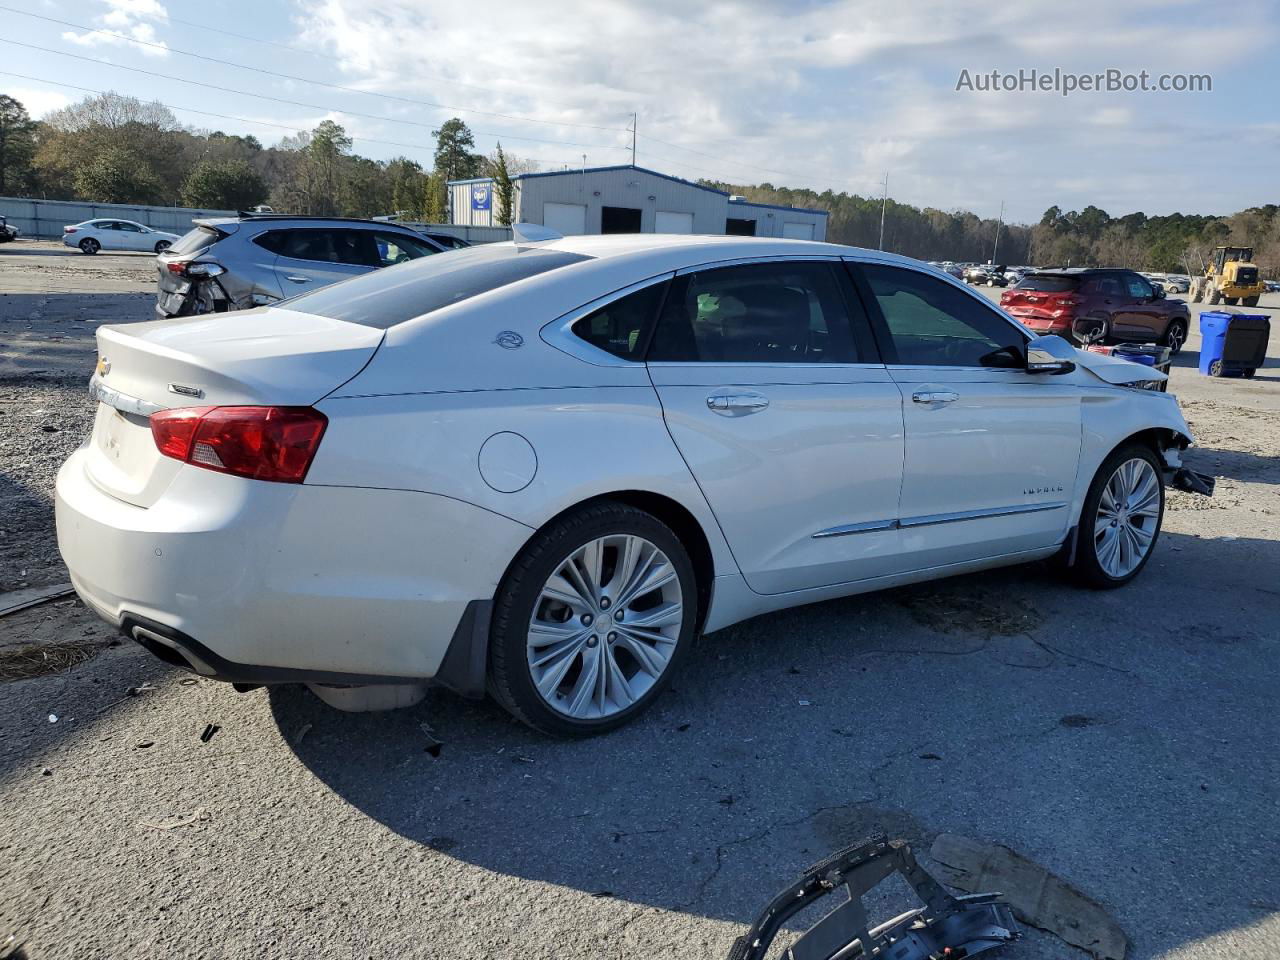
(734, 405)
(298, 279)
(935, 396)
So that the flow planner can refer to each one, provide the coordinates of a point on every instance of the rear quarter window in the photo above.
(385, 298)
(1044, 283)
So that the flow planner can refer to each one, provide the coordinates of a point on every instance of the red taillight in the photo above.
(177, 266)
(262, 443)
(68, 229)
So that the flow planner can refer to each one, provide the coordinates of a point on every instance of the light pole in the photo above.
(884, 202)
(996, 246)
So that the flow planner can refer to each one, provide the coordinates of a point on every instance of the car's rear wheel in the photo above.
(1230, 301)
(1121, 519)
(162, 246)
(1175, 337)
(592, 620)
(90, 246)
(1250, 301)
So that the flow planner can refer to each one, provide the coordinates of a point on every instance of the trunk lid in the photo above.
(268, 356)
(1043, 298)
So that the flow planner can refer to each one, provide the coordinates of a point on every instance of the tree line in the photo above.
(117, 149)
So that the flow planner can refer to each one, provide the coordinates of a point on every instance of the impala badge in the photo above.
(1032, 491)
(182, 390)
(509, 340)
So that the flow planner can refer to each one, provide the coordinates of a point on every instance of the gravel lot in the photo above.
(1125, 740)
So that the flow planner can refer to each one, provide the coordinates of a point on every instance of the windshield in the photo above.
(386, 297)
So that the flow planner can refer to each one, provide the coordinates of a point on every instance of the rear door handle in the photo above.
(736, 404)
(935, 396)
(298, 279)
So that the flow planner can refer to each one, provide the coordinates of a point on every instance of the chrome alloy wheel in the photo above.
(605, 627)
(1175, 338)
(1128, 517)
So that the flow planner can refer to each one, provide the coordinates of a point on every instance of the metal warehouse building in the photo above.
(627, 199)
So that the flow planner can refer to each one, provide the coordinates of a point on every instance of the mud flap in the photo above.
(945, 926)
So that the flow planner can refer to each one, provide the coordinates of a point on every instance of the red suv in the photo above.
(1129, 307)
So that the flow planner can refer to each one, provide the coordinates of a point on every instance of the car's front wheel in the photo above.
(592, 620)
(162, 246)
(1121, 519)
(90, 246)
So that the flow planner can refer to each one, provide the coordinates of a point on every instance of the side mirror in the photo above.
(1157, 292)
(1050, 354)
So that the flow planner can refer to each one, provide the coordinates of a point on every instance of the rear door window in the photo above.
(384, 298)
(783, 312)
(393, 248)
(313, 244)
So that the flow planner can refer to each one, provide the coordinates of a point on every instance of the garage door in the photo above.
(668, 221)
(797, 231)
(569, 219)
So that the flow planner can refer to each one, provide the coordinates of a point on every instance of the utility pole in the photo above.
(884, 203)
(635, 118)
(999, 223)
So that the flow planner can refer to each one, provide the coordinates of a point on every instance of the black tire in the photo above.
(1250, 301)
(1087, 569)
(1175, 343)
(1230, 301)
(510, 680)
(1250, 372)
(162, 246)
(90, 246)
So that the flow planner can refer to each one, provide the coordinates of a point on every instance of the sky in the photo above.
(826, 95)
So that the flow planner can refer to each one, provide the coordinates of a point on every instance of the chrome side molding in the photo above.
(870, 526)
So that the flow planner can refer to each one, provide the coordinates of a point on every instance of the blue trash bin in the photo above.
(1222, 354)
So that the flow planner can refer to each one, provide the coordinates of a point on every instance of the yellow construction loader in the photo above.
(1231, 276)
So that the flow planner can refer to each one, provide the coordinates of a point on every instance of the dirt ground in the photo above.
(1125, 740)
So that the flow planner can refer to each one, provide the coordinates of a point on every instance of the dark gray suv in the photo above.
(235, 263)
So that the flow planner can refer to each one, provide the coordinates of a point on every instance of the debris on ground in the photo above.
(143, 744)
(53, 718)
(434, 746)
(27, 660)
(195, 816)
(301, 734)
(135, 691)
(17, 600)
(1037, 896)
(945, 926)
(209, 731)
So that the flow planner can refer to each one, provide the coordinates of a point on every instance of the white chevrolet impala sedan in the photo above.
(542, 468)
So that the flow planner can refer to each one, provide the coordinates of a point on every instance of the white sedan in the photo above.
(541, 468)
(110, 234)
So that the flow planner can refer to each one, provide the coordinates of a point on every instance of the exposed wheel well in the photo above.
(683, 523)
(1158, 439)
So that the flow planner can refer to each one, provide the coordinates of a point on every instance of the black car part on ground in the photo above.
(946, 926)
(1193, 482)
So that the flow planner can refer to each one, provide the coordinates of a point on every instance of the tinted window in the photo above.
(130, 227)
(756, 313)
(384, 298)
(1048, 283)
(272, 240)
(1139, 287)
(618, 327)
(934, 323)
(393, 248)
(195, 241)
(318, 245)
(1109, 286)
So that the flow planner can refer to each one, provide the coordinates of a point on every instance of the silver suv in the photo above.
(235, 263)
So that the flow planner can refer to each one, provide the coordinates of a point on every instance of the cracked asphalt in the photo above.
(1125, 740)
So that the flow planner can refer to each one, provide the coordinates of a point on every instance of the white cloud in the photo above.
(126, 18)
(821, 94)
(38, 102)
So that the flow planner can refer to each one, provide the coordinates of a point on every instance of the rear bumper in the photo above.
(259, 582)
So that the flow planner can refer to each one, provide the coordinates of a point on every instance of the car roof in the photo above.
(696, 248)
(279, 218)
